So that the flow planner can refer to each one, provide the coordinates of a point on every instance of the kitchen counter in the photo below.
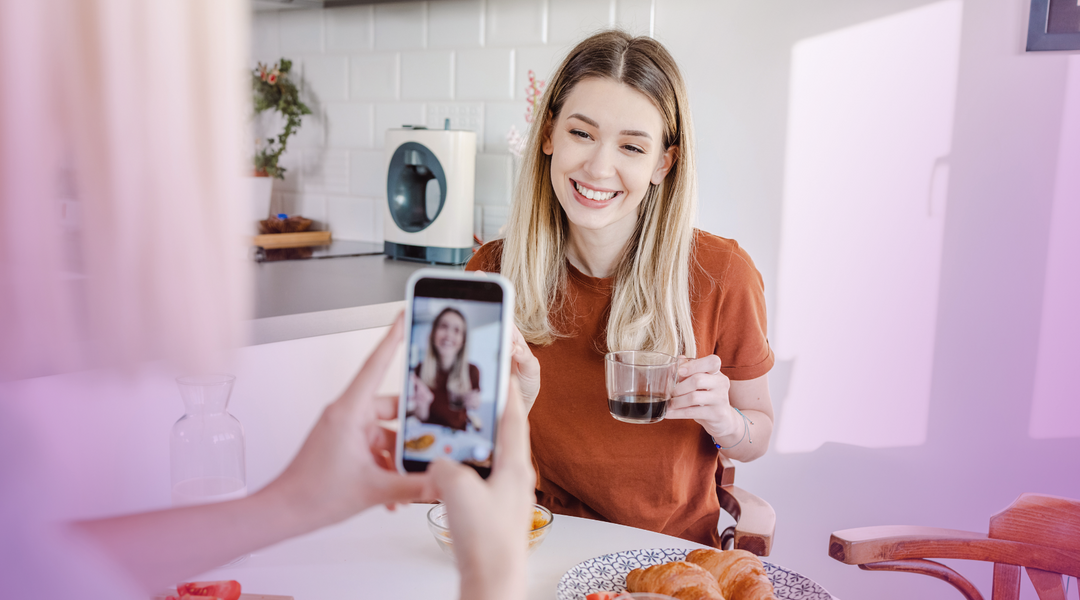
(305, 298)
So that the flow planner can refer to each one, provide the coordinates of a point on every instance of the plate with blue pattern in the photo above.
(608, 573)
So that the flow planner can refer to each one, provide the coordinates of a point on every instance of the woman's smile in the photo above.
(591, 196)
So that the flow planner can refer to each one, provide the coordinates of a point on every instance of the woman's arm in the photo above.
(158, 549)
(752, 398)
(707, 396)
(342, 468)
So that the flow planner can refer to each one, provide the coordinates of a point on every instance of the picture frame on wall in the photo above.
(1054, 25)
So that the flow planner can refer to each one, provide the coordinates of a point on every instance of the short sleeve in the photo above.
(741, 323)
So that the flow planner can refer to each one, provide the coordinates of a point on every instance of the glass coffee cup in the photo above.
(639, 384)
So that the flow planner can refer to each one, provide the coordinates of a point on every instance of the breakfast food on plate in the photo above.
(421, 443)
(706, 574)
(680, 580)
(740, 574)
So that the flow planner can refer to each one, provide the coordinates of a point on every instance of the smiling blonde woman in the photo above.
(450, 382)
(603, 254)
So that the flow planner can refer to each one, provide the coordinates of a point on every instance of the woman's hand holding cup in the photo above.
(701, 394)
(471, 400)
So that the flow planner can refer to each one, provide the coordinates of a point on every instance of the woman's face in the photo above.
(449, 335)
(606, 147)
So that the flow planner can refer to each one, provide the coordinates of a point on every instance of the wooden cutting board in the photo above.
(292, 240)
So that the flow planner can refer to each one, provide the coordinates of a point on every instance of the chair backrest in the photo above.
(1046, 521)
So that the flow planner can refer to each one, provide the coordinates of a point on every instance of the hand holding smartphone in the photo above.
(457, 340)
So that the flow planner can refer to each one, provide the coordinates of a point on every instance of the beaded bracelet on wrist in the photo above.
(745, 435)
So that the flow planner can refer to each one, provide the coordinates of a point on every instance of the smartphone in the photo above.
(457, 368)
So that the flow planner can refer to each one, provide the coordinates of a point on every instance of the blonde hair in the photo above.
(458, 381)
(650, 305)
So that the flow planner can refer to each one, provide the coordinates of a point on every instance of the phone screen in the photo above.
(452, 385)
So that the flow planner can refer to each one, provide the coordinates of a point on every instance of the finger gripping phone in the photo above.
(457, 368)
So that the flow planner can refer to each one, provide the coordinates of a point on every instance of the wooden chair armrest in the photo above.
(725, 472)
(868, 545)
(755, 519)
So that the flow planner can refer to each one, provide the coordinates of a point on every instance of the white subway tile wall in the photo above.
(326, 78)
(571, 20)
(374, 76)
(310, 133)
(455, 24)
(485, 74)
(399, 26)
(325, 170)
(427, 75)
(300, 31)
(264, 38)
(350, 125)
(350, 28)
(366, 173)
(498, 118)
(493, 177)
(366, 69)
(353, 218)
(512, 23)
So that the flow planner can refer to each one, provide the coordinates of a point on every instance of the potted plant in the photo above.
(272, 89)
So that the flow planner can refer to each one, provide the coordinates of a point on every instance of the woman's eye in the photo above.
(634, 149)
(579, 133)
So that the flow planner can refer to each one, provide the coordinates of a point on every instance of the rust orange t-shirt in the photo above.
(441, 410)
(659, 477)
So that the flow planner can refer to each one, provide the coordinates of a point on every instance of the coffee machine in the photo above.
(430, 182)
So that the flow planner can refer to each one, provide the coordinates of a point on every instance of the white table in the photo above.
(382, 554)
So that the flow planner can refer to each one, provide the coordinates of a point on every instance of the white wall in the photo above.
(979, 454)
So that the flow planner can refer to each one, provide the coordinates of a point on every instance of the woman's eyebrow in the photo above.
(633, 132)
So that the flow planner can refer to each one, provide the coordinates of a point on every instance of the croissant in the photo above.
(740, 574)
(680, 580)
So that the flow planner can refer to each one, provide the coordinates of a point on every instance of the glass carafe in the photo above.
(207, 444)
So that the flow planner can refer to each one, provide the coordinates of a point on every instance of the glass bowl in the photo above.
(440, 527)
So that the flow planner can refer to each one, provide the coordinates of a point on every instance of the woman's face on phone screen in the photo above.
(449, 335)
(606, 147)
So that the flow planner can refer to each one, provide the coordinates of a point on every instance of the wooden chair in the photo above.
(1036, 532)
(755, 519)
